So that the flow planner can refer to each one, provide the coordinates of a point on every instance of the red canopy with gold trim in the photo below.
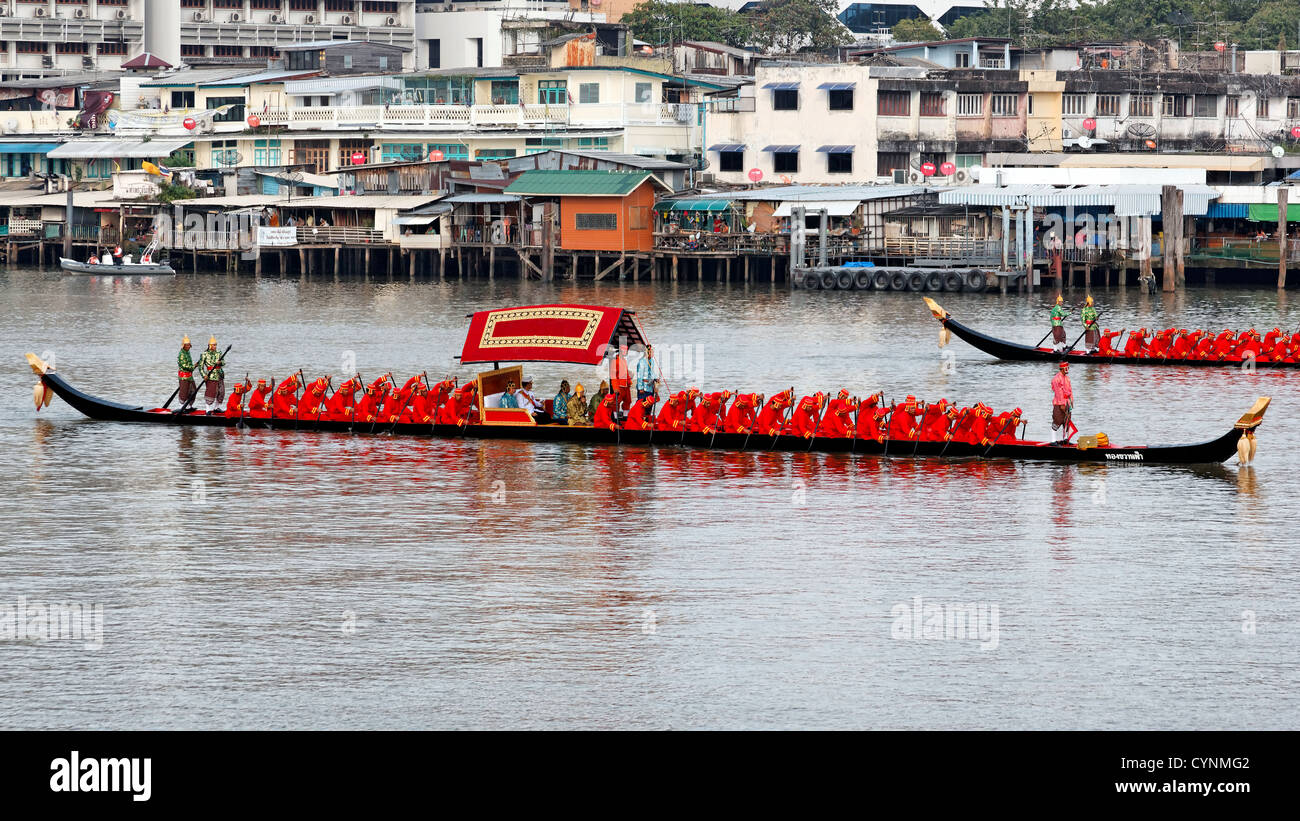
(549, 333)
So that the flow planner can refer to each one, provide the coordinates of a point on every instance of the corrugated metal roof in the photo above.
(260, 77)
(198, 76)
(27, 148)
(633, 160)
(302, 178)
(575, 183)
(111, 149)
(332, 85)
(399, 203)
(819, 193)
(1126, 200)
(1228, 210)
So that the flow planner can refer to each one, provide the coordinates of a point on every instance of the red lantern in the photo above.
(755, 175)
(358, 157)
(1220, 46)
(1089, 124)
(928, 169)
(254, 121)
(435, 155)
(947, 169)
(1295, 132)
(189, 123)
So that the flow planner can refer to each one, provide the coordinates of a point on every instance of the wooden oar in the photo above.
(889, 417)
(820, 418)
(952, 429)
(320, 407)
(917, 446)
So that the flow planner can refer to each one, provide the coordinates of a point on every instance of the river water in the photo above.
(259, 579)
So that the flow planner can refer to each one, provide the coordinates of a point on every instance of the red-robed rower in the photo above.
(1106, 346)
(1185, 344)
(461, 407)
(235, 404)
(641, 417)
(425, 406)
(1159, 346)
(741, 419)
(902, 421)
(1002, 428)
(688, 408)
(604, 417)
(672, 416)
(371, 404)
(970, 424)
(807, 416)
(870, 415)
(285, 401)
(838, 419)
(340, 406)
(397, 401)
(708, 417)
(1137, 343)
(257, 399)
(312, 404)
(934, 422)
(772, 418)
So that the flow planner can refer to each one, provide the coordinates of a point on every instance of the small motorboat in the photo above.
(114, 265)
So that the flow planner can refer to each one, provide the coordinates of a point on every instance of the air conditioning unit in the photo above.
(915, 177)
(311, 18)
(41, 11)
(1067, 134)
(199, 18)
(275, 18)
(391, 21)
(4, 11)
(87, 62)
(900, 175)
(345, 20)
(706, 179)
(236, 18)
(79, 13)
(47, 61)
(962, 177)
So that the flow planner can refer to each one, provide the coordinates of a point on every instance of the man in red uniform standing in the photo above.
(1063, 403)
(620, 379)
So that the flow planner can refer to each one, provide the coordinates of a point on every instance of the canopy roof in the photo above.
(549, 333)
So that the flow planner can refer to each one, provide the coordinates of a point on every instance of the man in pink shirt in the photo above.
(1063, 403)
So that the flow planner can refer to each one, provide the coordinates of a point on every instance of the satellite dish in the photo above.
(11, 125)
(1084, 142)
(1278, 151)
(975, 171)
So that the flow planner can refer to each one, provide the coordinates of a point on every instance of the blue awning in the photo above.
(782, 149)
(1294, 175)
(727, 147)
(836, 149)
(838, 86)
(27, 148)
(1228, 210)
(782, 86)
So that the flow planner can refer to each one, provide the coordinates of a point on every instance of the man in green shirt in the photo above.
(1059, 313)
(214, 375)
(1091, 335)
(185, 372)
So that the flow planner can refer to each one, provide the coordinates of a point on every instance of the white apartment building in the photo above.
(485, 32)
(66, 35)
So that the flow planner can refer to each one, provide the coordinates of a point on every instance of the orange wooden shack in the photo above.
(599, 210)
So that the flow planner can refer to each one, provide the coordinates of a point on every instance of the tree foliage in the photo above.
(787, 26)
(1195, 24)
(660, 23)
(917, 30)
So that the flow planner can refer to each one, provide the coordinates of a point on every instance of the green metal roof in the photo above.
(579, 183)
(1267, 212)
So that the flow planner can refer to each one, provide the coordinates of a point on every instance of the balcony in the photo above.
(457, 117)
